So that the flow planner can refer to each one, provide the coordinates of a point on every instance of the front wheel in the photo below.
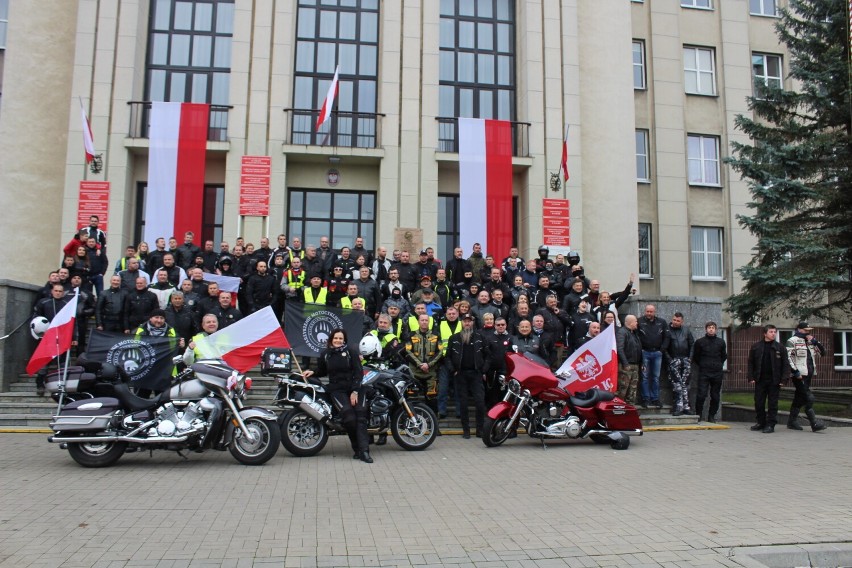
(417, 432)
(496, 431)
(100, 454)
(263, 444)
(301, 434)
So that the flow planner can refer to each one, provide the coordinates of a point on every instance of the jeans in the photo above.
(652, 361)
(97, 281)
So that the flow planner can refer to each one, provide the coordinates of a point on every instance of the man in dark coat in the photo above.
(768, 369)
(709, 354)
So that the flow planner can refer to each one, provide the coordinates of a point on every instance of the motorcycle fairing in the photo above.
(502, 409)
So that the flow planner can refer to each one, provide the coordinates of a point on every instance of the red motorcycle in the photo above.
(535, 401)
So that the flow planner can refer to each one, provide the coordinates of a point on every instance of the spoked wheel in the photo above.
(301, 434)
(96, 454)
(495, 431)
(414, 433)
(263, 444)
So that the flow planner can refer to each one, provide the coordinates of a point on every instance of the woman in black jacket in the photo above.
(343, 367)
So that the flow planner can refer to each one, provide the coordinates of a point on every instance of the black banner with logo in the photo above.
(147, 360)
(307, 326)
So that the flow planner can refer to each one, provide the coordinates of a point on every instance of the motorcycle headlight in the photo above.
(514, 386)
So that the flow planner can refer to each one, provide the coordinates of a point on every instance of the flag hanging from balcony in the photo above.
(176, 160)
(564, 165)
(325, 111)
(88, 141)
(485, 185)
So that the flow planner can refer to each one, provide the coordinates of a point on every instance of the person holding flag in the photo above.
(61, 312)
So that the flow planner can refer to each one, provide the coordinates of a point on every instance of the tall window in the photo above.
(763, 7)
(766, 71)
(706, 253)
(328, 34)
(645, 266)
(703, 159)
(699, 70)
(212, 214)
(477, 59)
(340, 215)
(643, 164)
(4, 22)
(638, 64)
(705, 4)
(189, 51)
(448, 225)
(843, 350)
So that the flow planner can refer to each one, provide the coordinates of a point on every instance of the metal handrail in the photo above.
(448, 139)
(217, 129)
(342, 129)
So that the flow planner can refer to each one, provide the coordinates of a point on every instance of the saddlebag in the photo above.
(78, 380)
(90, 415)
(276, 361)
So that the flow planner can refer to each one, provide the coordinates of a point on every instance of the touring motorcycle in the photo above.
(202, 409)
(535, 400)
(311, 415)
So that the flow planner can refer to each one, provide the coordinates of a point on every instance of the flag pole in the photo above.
(67, 360)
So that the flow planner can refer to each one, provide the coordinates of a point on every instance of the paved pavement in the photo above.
(687, 498)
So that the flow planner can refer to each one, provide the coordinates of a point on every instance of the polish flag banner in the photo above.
(564, 165)
(593, 366)
(325, 111)
(485, 185)
(176, 160)
(226, 283)
(241, 344)
(88, 141)
(57, 339)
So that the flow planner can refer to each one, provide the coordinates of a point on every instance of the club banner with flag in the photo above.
(88, 140)
(308, 326)
(328, 103)
(241, 344)
(593, 365)
(226, 283)
(176, 160)
(147, 360)
(57, 339)
(564, 165)
(485, 184)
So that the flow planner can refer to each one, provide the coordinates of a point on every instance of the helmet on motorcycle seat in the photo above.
(109, 372)
(370, 347)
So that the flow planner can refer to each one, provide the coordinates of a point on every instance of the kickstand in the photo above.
(543, 445)
(184, 456)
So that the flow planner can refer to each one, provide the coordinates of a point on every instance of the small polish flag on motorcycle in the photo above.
(594, 365)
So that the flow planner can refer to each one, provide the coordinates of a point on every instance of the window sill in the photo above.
(644, 181)
(710, 185)
(707, 95)
(646, 277)
(704, 8)
(776, 16)
(705, 279)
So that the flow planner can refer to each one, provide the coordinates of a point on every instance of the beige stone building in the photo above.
(649, 90)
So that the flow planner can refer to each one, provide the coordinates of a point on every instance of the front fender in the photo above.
(250, 412)
(502, 409)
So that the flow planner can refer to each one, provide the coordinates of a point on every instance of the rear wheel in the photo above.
(96, 454)
(263, 444)
(301, 434)
(416, 432)
(495, 432)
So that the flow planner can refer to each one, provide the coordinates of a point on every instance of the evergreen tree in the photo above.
(799, 175)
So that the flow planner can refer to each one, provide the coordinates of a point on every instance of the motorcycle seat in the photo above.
(315, 381)
(132, 402)
(591, 397)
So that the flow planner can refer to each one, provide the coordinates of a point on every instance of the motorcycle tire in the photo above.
(301, 434)
(266, 436)
(96, 454)
(600, 439)
(417, 433)
(495, 432)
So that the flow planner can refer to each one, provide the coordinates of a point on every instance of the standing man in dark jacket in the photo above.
(140, 303)
(261, 289)
(499, 343)
(678, 354)
(629, 350)
(467, 365)
(111, 309)
(654, 335)
(48, 308)
(768, 369)
(187, 252)
(180, 316)
(709, 354)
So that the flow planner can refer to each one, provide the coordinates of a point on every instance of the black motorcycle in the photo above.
(311, 415)
(202, 409)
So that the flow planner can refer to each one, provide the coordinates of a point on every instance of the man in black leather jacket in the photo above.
(709, 353)
(768, 369)
(678, 353)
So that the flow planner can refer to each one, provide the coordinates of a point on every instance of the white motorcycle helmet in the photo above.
(39, 326)
(370, 347)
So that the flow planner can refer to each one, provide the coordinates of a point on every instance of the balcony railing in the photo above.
(342, 129)
(448, 137)
(217, 128)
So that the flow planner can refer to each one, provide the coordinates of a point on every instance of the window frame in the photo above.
(702, 159)
(4, 23)
(692, 4)
(642, 65)
(843, 351)
(763, 4)
(649, 251)
(363, 222)
(451, 232)
(212, 213)
(764, 79)
(706, 254)
(696, 49)
(646, 142)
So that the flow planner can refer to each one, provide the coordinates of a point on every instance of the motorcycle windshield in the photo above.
(533, 376)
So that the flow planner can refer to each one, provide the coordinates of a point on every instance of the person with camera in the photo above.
(803, 349)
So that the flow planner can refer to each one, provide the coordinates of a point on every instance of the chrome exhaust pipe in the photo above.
(608, 432)
(113, 439)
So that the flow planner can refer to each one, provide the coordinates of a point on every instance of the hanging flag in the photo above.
(176, 161)
(593, 366)
(310, 324)
(146, 360)
(564, 165)
(485, 184)
(57, 339)
(325, 111)
(88, 141)
(241, 343)
(226, 283)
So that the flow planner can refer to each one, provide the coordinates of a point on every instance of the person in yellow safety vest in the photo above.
(412, 323)
(351, 294)
(446, 329)
(156, 326)
(296, 251)
(316, 293)
(388, 339)
(209, 326)
(424, 353)
(293, 279)
(396, 321)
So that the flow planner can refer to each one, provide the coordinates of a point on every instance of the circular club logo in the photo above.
(317, 327)
(134, 357)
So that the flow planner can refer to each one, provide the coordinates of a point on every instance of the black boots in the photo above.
(793, 420)
(816, 425)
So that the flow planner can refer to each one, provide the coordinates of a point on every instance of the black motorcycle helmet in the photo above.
(543, 251)
(573, 258)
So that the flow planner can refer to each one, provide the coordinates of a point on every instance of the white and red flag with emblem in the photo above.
(593, 365)
(88, 141)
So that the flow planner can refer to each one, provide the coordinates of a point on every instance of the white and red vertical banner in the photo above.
(255, 172)
(563, 166)
(93, 199)
(485, 185)
(593, 366)
(176, 160)
(328, 103)
(88, 140)
(58, 337)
